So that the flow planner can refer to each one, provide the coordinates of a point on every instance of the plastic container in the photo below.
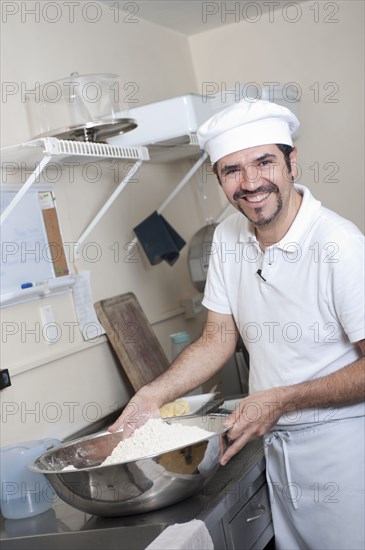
(79, 107)
(43, 523)
(24, 493)
(179, 341)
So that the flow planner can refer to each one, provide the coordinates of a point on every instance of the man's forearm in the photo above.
(199, 362)
(343, 387)
(195, 365)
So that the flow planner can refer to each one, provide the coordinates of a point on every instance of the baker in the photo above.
(287, 275)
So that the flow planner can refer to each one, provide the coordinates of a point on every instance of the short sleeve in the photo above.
(346, 284)
(215, 294)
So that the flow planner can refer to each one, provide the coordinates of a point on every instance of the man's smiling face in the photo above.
(258, 183)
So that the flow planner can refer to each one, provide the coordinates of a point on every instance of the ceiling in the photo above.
(190, 17)
(187, 17)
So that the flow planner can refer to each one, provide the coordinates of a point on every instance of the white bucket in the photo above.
(24, 493)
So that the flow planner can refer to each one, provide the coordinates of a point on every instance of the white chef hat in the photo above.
(246, 124)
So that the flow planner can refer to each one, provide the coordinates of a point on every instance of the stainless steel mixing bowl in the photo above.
(137, 486)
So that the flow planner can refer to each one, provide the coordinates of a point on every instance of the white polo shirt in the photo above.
(301, 318)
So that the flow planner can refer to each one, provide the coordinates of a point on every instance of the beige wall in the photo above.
(321, 52)
(72, 374)
(66, 383)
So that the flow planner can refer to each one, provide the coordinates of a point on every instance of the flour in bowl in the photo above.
(155, 437)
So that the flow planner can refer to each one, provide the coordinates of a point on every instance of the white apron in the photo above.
(316, 476)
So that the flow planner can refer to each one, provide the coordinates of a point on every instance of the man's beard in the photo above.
(260, 220)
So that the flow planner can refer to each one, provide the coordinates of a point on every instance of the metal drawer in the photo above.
(250, 521)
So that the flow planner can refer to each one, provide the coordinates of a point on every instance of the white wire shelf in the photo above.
(38, 153)
(32, 152)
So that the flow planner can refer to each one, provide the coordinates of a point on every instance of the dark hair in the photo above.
(285, 149)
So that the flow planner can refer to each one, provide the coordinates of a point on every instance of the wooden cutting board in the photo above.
(132, 338)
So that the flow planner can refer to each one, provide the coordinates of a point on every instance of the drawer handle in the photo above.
(263, 512)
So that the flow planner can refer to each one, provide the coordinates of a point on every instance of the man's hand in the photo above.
(140, 408)
(253, 417)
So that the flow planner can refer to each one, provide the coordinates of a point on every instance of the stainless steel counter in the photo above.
(64, 527)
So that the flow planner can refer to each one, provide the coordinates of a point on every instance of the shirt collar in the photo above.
(307, 214)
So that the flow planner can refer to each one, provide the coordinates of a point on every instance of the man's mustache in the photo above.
(272, 188)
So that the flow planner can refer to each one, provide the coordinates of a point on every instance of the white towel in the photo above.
(192, 535)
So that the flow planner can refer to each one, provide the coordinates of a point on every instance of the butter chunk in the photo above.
(175, 408)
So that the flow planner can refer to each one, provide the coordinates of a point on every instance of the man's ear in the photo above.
(214, 170)
(293, 162)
